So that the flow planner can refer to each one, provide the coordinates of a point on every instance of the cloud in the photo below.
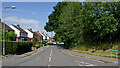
(24, 11)
(22, 20)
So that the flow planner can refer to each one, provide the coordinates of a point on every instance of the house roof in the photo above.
(30, 30)
(40, 34)
(6, 26)
(43, 34)
(21, 30)
(47, 35)
(35, 33)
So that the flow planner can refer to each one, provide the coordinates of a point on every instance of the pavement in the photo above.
(55, 56)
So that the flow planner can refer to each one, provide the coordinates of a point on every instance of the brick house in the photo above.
(39, 36)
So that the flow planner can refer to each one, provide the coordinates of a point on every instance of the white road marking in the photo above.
(80, 65)
(48, 64)
(51, 50)
(90, 65)
(50, 54)
(85, 64)
(50, 59)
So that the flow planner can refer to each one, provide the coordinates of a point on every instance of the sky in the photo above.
(29, 14)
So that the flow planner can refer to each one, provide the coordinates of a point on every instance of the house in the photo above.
(6, 26)
(39, 36)
(44, 37)
(35, 36)
(47, 37)
(21, 34)
(30, 34)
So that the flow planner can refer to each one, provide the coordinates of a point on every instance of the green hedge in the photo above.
(17, 47)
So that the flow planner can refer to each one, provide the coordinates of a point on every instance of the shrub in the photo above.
(37, 44)
(43, 42)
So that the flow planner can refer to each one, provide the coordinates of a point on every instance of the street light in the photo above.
(12, 7)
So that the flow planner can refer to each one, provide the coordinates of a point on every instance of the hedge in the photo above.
(17, 47)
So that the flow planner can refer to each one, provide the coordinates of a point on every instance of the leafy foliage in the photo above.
(11, 36)
(88, 23)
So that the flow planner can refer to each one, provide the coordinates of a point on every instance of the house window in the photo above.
(20, 34)
(45, 37)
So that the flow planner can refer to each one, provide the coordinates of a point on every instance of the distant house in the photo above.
(47, 37)
(21, 34)
(39, 36)
(30, 34)
(44, 37)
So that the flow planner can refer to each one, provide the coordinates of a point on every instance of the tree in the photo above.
(11, 36)
(85, 23)
(53, 22)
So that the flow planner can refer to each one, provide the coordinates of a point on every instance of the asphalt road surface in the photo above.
(54, 56)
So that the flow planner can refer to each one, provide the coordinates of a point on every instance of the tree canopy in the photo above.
(90, 23)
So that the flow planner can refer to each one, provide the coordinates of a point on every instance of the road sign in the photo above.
(116, 50)
(113, 49)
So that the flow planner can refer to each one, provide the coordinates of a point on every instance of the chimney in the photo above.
(38, 31)
(30, 29)
(18, 26)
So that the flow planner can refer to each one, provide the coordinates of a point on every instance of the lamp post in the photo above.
(12, 7)
(41, 40)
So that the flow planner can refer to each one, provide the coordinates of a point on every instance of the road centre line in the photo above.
(50, 59)
(51, 50)
(51, 54)
(48, 64)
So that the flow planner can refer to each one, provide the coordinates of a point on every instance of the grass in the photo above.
(1, 56)
(102, 50)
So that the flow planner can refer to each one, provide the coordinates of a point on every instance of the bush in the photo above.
(17, 47)
(43, 42)
(47, 43)
(37, 44)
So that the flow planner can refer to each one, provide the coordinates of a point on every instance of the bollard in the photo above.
(111, 54)
(116, 54)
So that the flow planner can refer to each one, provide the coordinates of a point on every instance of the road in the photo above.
(53, 56)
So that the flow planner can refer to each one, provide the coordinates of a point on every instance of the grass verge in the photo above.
(101, 50)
